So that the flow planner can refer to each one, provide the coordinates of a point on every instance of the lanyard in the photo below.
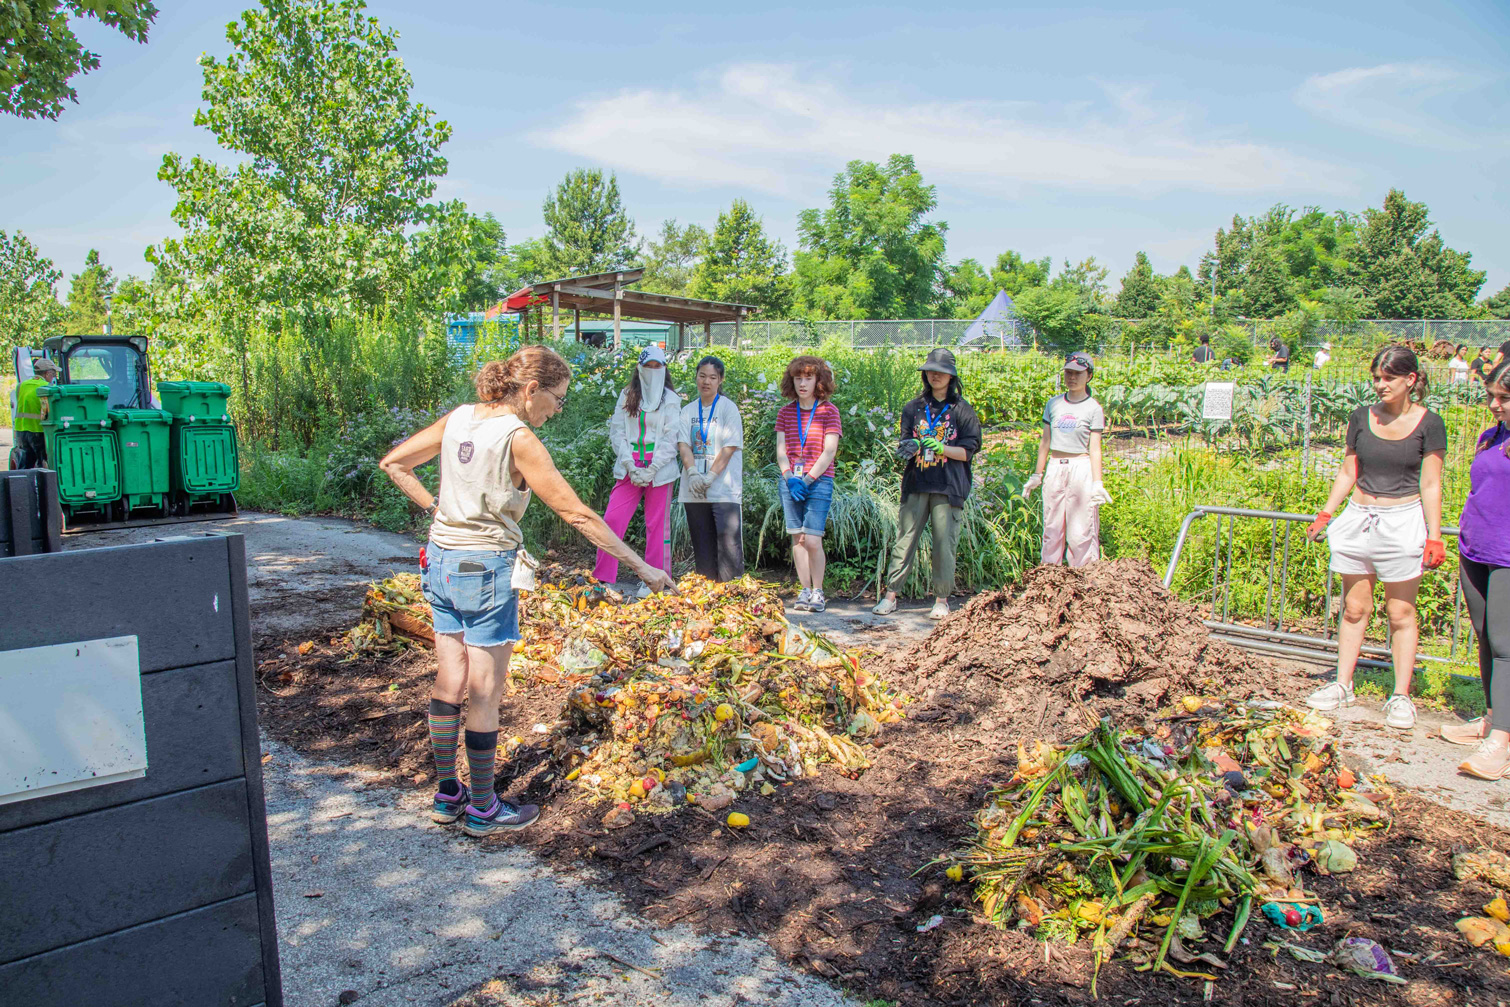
(802, 433)
(933, 424)
(702, 431)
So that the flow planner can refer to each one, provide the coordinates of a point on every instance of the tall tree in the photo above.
(587, 230)
(1087, 280)
(1407, 272)
(1267, 290)
(871, 253)
(742, 265)
(671, 258)
(39, 53)
(463, 266)
(1497, 306)
(29, 308)
(1141, 291)
(337, 162)
(87, 293)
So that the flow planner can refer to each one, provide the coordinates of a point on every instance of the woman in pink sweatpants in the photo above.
(1069, 469)
(643, 432)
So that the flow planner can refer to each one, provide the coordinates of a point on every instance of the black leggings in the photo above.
(1486, 592)
(718, 550)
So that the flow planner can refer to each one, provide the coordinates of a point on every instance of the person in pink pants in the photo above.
(1069, 469)
(643, 433)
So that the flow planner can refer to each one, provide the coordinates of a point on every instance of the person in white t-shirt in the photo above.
(710, 441)
(1323, 356)
(1457, 367)
(1069, 469)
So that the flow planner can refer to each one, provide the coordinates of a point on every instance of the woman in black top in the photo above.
(940, 434)
(1392, 527)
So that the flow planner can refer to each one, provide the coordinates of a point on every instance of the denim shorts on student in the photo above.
(810, 516)
(480, 605)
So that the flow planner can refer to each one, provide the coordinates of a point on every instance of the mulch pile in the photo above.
(825, 871)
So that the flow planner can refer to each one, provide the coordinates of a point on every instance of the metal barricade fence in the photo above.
(1271, 637)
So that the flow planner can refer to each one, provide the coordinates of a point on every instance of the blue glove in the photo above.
(797, 486)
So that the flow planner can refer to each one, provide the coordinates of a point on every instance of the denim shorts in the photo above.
(810, 516)
(481, 606)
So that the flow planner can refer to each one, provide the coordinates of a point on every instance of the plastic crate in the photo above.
(196, 401)
(142, 437)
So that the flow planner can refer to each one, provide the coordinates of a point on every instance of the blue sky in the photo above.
(1051, 130)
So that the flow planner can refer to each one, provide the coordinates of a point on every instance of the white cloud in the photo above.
(1390, 100)
(766, 127)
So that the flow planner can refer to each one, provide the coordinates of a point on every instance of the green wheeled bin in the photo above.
(82, 448)
(142, 439)
(204, 457)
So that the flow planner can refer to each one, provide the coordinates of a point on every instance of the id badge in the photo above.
(797, 470)
(927, 456)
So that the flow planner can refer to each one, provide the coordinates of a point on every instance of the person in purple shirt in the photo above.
(1484, 571)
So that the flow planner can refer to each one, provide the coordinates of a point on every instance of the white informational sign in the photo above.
(70, 718)
(1218, 404)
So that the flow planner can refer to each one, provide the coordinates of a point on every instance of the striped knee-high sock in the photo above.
(445, 724)
(482, 752)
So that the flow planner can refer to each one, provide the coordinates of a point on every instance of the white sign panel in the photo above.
(1218, 403)
(70, 718)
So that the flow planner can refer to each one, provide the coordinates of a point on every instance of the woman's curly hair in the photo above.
(803, 366)
(505, 380)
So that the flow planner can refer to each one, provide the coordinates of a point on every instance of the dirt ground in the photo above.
(828, 872)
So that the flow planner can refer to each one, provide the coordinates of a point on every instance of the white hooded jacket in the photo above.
(661, 427)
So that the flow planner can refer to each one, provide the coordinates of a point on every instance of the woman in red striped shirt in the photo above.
(807, 439)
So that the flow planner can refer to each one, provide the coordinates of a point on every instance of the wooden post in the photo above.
(556, 313)
(708, 334)
(576, 322)
(618, 336)
(737, 317)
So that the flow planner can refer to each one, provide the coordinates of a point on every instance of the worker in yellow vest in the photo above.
(31, 448)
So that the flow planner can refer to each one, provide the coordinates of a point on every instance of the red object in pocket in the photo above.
(424, 561)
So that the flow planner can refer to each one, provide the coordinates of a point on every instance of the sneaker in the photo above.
(817, 602)
(1470, 733)
(940, 609)
(885, 606)
(449, 807)
(501, 817)
(1490, 762)
(1331, 696)
(804, 600)
(643, 592)
(1399, 712)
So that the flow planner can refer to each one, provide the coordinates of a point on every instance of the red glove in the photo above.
(1317, 528)
(1435, 554)
(424, 560)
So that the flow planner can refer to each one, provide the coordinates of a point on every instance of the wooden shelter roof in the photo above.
(598, 292)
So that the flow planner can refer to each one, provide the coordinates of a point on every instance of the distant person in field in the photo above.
(807, 441)
(1480, 365)
(940, 433)
(1392, 528)
(1457, 367)
(643, 433)
(711, 442)
(1484, 573)
(1203, 353)
(1280, 358)
(1069, 469)
(1323, 356)
(491, 463)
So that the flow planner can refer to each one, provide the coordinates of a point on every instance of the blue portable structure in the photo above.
(462, 330)
(999, 323)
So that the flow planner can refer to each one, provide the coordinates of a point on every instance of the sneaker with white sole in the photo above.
(1331, 696)
(1399, 712)
(1490, 762)
(885, 606)
(817, 602)
(804, 600)
(1471, 733)
(940, 608)
(501, 817)
(449, 807)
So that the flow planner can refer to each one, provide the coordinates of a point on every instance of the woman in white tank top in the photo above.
(490, 464)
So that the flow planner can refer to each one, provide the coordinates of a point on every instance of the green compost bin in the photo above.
(81, 447)
(142, 438)
(196, 401)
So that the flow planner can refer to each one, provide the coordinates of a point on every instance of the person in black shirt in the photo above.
(1281, 359)
(940, 434)
(1203, 354)
(1479, 365)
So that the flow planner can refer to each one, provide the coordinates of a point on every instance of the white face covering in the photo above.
(652, 384)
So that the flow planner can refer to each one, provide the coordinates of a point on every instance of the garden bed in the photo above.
(826, 872)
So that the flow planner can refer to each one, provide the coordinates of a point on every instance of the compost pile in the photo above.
(1079, 644)
(676, 699)
(1141, 839)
